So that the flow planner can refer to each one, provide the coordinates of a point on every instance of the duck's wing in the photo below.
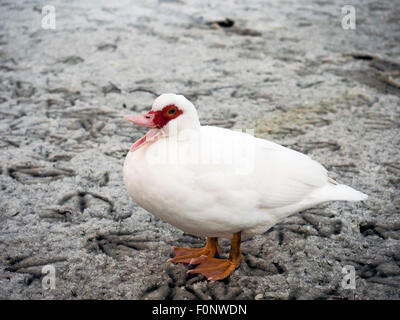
(273, 175)
(286, 176)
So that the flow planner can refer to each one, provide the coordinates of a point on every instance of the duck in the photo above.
(213, 182)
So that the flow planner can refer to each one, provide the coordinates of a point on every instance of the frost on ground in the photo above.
(287, 70)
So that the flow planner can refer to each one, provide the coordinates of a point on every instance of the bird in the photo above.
(214, 182)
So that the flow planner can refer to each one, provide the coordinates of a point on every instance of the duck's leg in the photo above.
(217, 269)
(191, 255)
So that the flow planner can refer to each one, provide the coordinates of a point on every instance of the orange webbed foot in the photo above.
(212, 268)
(192, 255)
(218, 269)
(215, 269)
(186, 255)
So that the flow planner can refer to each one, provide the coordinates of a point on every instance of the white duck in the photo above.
(214, 182)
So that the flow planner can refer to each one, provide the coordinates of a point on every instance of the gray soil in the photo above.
(286, 69)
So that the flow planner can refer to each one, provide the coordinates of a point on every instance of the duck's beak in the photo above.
(144, 120)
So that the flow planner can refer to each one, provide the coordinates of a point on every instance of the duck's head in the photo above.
(169, 115)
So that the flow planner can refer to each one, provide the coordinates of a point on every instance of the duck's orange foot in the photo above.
(215, 269)
(189, 255)
(192, 255)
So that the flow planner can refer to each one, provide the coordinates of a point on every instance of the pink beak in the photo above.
(145, 120)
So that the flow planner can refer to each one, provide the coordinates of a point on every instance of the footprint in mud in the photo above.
(71, 60)
(27, 174)
(120, 245)
(30, 265)
(90, 203)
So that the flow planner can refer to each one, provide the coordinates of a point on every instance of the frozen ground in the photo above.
(287, 69)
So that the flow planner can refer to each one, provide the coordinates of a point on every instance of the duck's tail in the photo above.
(343, 192)
(335, 191)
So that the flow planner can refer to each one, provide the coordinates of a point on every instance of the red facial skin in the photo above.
(155, 120)
(168, 113)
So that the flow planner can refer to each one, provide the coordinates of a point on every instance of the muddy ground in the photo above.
(286, 69)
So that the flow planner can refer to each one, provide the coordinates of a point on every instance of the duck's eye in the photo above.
(171, 111)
